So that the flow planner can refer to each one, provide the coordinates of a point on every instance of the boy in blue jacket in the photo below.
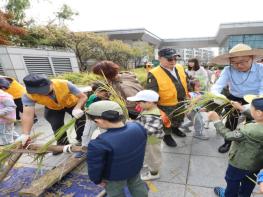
(115, 157)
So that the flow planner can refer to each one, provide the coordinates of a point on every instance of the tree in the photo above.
(65, 13)
(8, 32)
(140, 51)
(17, 9)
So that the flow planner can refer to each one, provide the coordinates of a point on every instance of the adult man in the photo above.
(11, 86)
(242, 77)
(169, 80)
(58, 97)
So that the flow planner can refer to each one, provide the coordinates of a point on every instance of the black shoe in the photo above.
(169, 141)
(178, 132)
(224, 148)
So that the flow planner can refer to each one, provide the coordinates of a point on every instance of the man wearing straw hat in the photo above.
(243, 76)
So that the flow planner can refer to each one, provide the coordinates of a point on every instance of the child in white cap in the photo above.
(150, 118)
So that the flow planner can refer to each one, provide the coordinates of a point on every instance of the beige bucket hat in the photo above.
(236, 51)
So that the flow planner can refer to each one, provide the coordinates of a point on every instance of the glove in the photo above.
(77, 113)
(24, 138)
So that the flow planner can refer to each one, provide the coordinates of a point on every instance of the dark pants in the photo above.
(19, 108)
(56, 120)
(176, 115)
(232, 119)
(238, 185)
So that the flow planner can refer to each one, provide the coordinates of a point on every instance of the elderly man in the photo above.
(58, 97)
(169, 80)
(243, 77)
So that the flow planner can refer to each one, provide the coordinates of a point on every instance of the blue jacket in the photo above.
(260, 177)
(117, 154)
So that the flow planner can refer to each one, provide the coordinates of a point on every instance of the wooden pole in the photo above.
(33, 148)
(39, 186)
(12, 161)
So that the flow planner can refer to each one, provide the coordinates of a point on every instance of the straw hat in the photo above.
(236, 51)
(248, 98)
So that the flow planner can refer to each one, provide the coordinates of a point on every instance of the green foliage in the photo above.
(65, 13)
(141, 75)
(141, 50)
(17, 9)
(83, 78)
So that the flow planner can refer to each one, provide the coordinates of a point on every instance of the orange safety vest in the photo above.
(167, 89)
(65, 99)
(15, 89)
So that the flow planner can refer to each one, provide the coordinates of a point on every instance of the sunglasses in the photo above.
(171, 59)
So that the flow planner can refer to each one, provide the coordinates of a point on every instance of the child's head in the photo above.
(257, 109)
(105, 113)
(146, 98)
(195, 85)
(100, 91)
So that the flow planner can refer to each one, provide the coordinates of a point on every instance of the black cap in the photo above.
(168, 53)
(258, 103)
(37, 84)
(4, 83)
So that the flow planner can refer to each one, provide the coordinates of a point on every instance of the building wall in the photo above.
(253, 40)
(18, 62)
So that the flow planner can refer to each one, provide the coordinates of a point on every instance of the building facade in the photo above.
(18, 62)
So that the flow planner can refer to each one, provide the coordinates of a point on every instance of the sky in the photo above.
(164, 18)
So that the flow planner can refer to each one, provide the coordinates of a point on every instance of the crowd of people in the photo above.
(119, 147)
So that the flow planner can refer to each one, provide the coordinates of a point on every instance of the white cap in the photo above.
(145, 95)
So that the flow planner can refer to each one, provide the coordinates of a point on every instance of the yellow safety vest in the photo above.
(65, 99)
(167, 89)
(15, 89)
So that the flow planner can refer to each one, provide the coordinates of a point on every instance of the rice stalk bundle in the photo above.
(209, 101)
(105, 85)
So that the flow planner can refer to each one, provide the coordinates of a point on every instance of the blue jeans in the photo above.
(238, 185)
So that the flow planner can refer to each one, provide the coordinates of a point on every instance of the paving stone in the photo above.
(195, 191)
(174, 168)
(183, 146)
(167, 190)
(208, 147)
(207, 171)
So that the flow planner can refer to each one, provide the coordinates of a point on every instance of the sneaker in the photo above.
(178, 132)
(219, 191)
(79, 154)
(200, 136)
(148, 176)
(169, 141)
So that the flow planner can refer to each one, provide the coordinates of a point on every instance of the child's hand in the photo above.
(203, 110)
(237, 105)
(261, 187)
(213, 116)
(103, 183)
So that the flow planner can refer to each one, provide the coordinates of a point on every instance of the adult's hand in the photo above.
(77, 113)
(24, 139)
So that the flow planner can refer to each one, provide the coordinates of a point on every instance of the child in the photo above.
(115, 157)
(195, 116)
(91, 131)
(150, 118)
(7, 118)
(99, 94)
(246, 152)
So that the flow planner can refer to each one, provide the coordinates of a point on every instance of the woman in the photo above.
(125, 83)
(195, 71)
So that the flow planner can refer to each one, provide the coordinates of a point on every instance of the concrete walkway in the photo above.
(191, 169)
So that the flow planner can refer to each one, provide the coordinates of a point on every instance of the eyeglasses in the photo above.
(242, 63)
(171, 59)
